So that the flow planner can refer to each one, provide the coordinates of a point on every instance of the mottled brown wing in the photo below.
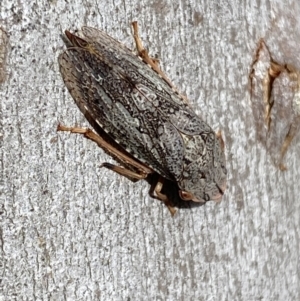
(123, 109)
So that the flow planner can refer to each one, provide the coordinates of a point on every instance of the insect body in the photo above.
(140, 118)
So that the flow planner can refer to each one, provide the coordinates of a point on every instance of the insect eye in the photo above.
(186, 196)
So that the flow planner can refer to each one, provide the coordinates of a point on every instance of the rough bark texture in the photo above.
(72, 231)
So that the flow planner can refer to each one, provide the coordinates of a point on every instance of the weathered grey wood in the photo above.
(71, 231)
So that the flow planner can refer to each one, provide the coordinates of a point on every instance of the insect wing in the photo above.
(119, 107)
(170, 103)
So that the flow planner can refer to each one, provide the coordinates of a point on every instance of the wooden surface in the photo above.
(72, 231)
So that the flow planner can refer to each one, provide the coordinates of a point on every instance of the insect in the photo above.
(141, 120)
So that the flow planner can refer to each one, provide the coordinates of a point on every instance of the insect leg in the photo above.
(125, 172)
(142, 52)
(155, 192)
(123, 158)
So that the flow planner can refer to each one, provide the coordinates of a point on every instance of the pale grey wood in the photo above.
(71, 231)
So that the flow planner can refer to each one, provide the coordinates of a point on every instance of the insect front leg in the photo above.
(156, 192)
(135, 171)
